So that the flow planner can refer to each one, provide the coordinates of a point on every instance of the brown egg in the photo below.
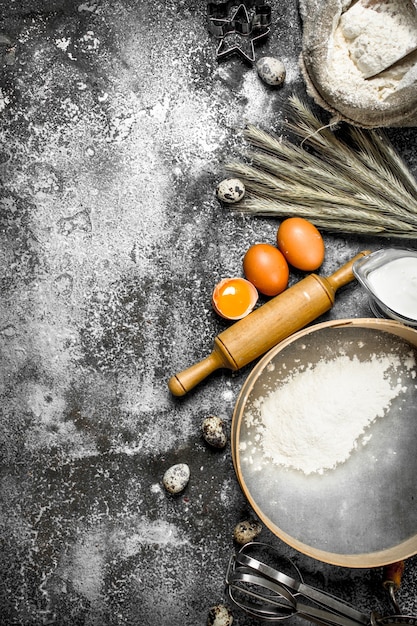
(301, 243)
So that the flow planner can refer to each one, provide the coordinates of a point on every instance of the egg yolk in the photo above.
(233, 298)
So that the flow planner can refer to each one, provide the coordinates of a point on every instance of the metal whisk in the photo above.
(271, 595)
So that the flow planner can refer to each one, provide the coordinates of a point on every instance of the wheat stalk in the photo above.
(355, 185)
(346, 203)
(324, 217)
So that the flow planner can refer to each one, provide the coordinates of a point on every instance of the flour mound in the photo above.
(314, 421)
(378, 35)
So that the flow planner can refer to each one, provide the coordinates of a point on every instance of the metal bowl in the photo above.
(363, 270)
(362, 513)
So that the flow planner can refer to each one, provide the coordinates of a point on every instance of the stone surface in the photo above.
(116, 122)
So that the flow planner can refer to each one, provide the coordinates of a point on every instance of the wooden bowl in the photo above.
(363, 512)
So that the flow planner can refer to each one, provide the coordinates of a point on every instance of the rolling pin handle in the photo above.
(345, 274)
(182, 383)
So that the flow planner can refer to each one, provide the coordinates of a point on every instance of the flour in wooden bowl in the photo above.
(316, 418)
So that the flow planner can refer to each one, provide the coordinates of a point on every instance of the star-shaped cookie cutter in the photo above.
(238, 27)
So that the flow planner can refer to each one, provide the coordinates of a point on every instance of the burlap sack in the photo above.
(388, 100)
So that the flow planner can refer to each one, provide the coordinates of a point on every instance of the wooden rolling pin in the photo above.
(265, 327)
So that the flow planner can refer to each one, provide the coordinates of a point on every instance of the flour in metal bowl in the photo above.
(317, 417)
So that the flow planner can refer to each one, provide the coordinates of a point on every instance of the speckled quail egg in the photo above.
(271, 70)
(230, 190)
(246, 531)
(219, 615)
(176, 478)
(214, 431)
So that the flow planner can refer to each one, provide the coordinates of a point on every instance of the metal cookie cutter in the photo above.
(238, 27)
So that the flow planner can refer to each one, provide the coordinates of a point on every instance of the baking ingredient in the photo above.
(395, 284)
(265, 266)
(271, 70)
(351, 184)
(176, 478)
(234, 298)
(230, 190)
(301, 243)
(377, 34)
(316, 418)
(246, 531)
(214, 431)
(219, 615)
(338, 48)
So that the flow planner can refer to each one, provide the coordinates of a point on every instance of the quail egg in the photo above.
(176, 478)
(230, 190)
(219, 615)
(246, 531)
(214, 431)
(271, 70)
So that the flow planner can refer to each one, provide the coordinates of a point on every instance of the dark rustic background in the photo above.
(116, 122)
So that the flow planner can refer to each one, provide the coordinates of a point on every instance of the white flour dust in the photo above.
(316, 419)
(359, 42)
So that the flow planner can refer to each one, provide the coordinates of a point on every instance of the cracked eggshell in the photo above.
(214, 431)
(271, 70)
(230, 190)
(176, 478)
(219, 615)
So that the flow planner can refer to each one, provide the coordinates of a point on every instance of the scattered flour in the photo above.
(126, 128)
(315, 420)
(4, 101)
